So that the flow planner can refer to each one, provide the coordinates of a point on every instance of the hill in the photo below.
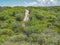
(42, 27)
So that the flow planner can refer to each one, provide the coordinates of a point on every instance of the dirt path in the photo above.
(26, 18)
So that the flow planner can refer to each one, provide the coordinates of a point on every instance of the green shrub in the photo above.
(8, 32)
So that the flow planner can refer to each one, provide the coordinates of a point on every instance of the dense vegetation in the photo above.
(42, 28)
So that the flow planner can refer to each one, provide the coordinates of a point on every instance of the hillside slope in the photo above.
(41, 25)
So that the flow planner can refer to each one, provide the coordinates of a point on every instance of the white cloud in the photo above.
(40, 0)
(42, 3)
(48, 2)
(30, 3)
(51, 0)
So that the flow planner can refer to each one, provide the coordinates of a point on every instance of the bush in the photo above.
(18, 38)
(8, 32)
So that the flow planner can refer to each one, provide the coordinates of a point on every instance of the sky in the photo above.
(29, 2)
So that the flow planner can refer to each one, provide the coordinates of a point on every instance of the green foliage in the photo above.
(42, 28)
(6, 32)
(17, 38)
(3, 38)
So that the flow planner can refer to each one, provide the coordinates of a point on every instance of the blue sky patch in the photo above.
(29, 2)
